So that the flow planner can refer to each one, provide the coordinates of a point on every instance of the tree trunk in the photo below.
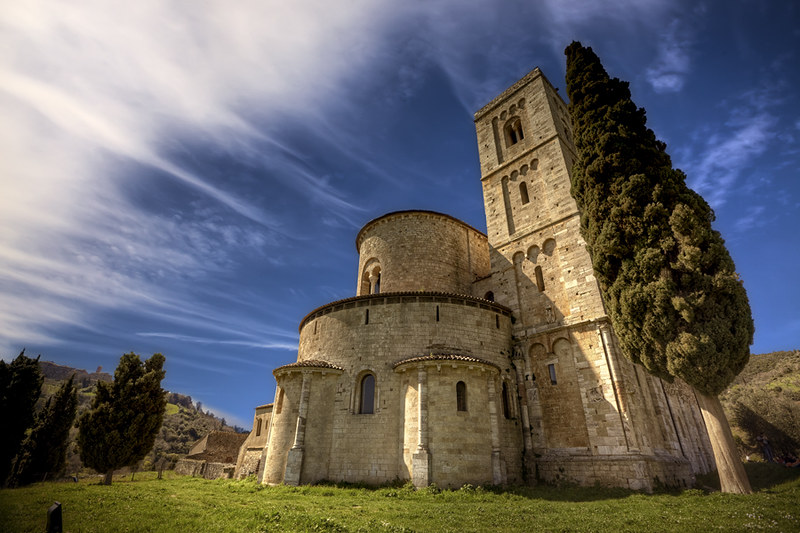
(109, 475)
(732, 477)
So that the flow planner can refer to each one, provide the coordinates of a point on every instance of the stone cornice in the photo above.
(385, 298)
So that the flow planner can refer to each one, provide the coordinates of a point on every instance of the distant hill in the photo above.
(765, 398)
(185, 422)
(57, 372)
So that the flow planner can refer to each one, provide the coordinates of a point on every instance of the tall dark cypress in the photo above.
(125, 417)
(20, 385)
(677, 305)
(44, 449)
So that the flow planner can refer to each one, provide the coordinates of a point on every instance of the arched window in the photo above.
(523, 192)
(370, 278)
(539, 278)
(279, 403)
(461, 396)
(489, 296)
(366, 403)
(506, 402)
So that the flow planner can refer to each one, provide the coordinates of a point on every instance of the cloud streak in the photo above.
(669, 72)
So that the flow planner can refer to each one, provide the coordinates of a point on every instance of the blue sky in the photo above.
(191, 181)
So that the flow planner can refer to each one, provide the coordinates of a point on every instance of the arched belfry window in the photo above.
(523, 192)
(366, 401)
(371, 278)
(514, 131)
(461, 396)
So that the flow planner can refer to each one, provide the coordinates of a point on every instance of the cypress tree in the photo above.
(125, 417)
(44, 449)
(672, 294)
(20, 385)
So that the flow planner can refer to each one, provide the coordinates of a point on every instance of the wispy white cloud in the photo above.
(726, 154)
(94, 94)
(207, 340)
(671, 67)
(720, 154)
(752, 218)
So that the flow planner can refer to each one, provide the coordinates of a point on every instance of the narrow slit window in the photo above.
(539, 279)
(437, 313)
(523, 192)
(366, 317)
(461, 396)
(258, 428)
(367, 399)
(552, 369)
(506, 409)
(497, 321)
(279, 405)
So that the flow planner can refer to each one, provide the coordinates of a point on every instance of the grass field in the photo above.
(184, 504)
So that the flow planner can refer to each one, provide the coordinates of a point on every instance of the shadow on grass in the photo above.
(762, 476)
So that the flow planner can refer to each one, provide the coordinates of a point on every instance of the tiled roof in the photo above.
(445, 357)
(310, 363)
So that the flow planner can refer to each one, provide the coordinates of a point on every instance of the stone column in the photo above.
(373, 282)
(421, 460)
(620, 392)
(294, 461)
(517, 361)
(497, 470)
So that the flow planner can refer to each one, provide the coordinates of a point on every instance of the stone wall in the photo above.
(421, 251)
(341, 443)
(205, 469)
(249, 461)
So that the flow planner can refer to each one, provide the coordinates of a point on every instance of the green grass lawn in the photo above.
(185, 504)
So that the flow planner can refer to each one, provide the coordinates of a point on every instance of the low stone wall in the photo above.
(205, 469)
(646, 473)
(249, 463)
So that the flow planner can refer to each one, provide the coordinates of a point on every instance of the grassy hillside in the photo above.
(182, 504)
(765, 398)
(184, 422)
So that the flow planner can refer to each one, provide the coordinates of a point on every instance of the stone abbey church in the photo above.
(472, 358)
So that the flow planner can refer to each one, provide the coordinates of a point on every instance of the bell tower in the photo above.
(583, 404)
(539, 264)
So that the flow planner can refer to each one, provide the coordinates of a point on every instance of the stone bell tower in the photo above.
(585, 409)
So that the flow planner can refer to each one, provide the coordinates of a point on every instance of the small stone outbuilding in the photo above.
(213, 456)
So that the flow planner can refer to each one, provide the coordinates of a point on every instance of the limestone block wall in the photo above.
(283, 426)
(373, 332)
(602, 408)
(249, 459)
(461, 443)
(204, 469)
(420, 251)
(248, 463)
(369, 335)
